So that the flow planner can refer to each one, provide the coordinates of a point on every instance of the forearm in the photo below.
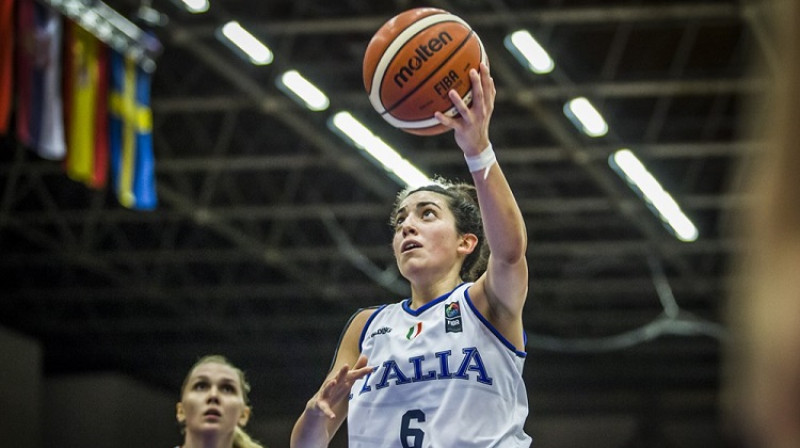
(310, 430)
(502, 219)
(505, 282)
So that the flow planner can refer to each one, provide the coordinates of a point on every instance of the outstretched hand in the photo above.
(338, 387)
(471, 127)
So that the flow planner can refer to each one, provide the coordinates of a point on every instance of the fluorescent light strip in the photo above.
(384, 154)
(585, 117)
(302, 89)
(637, 175)
(196, 6)
(258, 53)
(522, 44)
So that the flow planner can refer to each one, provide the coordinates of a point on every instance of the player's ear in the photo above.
(468, 243)
(245, 417)
(180, 414)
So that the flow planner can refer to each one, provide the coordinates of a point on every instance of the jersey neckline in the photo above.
(416, 312)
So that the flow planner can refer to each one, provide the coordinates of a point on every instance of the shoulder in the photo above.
(359, 320)
(348, 346)
(361, 317)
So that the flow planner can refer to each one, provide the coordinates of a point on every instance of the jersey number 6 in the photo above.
(412, 437)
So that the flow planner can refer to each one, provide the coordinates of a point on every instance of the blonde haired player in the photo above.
(214, 408)
(442, 368)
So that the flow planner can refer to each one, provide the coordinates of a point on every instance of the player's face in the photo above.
(425, 237)
(213, 400)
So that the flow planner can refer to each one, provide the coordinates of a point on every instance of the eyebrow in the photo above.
(206, 378)
(419, 205)
(427, 203)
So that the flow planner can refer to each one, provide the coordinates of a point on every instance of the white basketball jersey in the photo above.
(445, 378)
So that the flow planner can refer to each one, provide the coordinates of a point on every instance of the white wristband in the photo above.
(482, 161)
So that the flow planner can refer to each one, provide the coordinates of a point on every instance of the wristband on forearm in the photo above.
(482, 161)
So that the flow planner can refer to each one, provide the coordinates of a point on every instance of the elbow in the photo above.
(513, 257)
(513, 253)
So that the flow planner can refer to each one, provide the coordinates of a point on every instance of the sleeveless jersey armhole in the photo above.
(347, 326)
(494, 331)
(361, 337)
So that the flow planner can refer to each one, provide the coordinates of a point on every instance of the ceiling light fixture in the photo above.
(585, 117)
(528, 51)
(303, 91)
(628, 166)
(196, 6)
(254, 49)
(347, 125)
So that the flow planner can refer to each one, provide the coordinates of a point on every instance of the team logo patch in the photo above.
(452, 318)
(414, 331)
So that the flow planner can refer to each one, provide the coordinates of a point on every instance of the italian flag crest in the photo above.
(414, 331)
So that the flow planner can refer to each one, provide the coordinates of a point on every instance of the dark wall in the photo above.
(21, 390)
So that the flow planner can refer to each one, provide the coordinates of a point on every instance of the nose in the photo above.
(213, 395)
(408, 227)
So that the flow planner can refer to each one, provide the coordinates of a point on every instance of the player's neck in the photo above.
(208, 441)
(422, 294)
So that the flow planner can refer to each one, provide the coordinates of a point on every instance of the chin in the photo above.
(412, 272)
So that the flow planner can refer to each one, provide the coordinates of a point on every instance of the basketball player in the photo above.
(442, 368)
(763, 372)
(213, 407)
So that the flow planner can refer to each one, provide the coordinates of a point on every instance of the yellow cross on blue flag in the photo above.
(131, 122)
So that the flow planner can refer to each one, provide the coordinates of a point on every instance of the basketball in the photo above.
(413, 61)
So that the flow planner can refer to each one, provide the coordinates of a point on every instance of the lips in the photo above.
(409, 245)
(212, 413)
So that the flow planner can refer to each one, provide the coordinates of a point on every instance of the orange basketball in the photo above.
(411, 63)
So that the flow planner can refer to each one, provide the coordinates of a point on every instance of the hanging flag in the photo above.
(6, 62)
(40, 121)
(85, 100)
(25, 54)
(132, 159)
(99, 177)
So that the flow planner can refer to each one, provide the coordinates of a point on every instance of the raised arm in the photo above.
(502, 290)
(327, 409)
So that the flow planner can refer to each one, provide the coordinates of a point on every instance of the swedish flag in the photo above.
(131, 121)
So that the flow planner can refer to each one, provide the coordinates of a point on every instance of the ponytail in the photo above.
(243, 440)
